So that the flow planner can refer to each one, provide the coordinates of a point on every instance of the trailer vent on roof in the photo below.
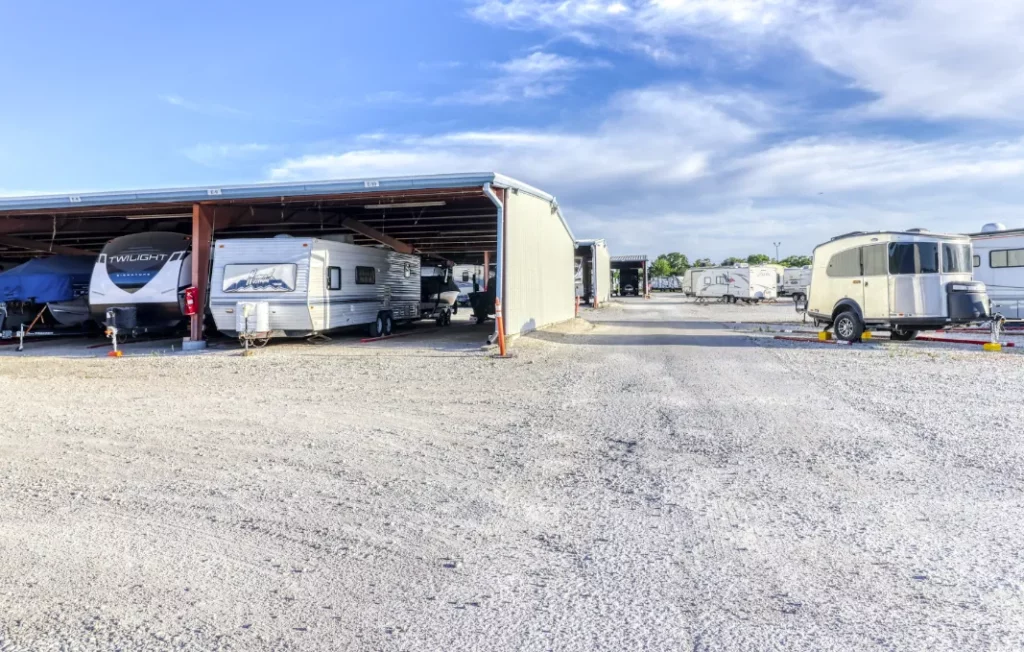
(993, 227)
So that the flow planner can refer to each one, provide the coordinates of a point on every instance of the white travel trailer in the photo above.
(747, 283)
(689, 280)
(297, 287)
(999, 264)
(795, 281)
(903, 282)
(139, 282)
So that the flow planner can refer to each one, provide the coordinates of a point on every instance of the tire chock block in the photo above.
(824, 336)
(992, 346)
(866, 335)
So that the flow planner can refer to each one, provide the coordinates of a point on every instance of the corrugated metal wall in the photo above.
(603, 267)
(539, 265)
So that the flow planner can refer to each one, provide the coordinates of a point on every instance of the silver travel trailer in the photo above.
(903, 282)
(795, 281)
(296, 287)
(746, 283)
(999, 264)
(140, 282)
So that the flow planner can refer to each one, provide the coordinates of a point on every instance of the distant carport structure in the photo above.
(630, 267)
(514, 229)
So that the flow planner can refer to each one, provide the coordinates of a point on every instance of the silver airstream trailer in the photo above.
(903, 282)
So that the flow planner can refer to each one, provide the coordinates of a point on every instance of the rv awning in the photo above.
(46, 280)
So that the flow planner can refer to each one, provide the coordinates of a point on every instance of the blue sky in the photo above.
(711, 127)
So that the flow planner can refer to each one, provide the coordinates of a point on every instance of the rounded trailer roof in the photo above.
(892, 236)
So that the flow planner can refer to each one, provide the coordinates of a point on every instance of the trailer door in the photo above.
(875, 260)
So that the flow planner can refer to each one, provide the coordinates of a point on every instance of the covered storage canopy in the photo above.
(47, 280)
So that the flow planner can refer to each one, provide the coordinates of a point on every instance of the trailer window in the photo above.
(333, 278)
(956, 258)
(845, 264)
(366, 276)
(1006, 258)
(876, 260)
(901, 258)
(977, 260)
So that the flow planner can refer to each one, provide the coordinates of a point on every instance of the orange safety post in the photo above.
(500, 321)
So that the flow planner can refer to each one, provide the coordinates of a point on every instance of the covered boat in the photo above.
(60, 283)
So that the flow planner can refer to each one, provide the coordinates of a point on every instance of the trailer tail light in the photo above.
(191, 301)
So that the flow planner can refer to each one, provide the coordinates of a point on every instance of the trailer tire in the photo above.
(848, 327)
(903, 334)
(389, 323)
(377, 326)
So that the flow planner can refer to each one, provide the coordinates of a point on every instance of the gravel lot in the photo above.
(663, 479)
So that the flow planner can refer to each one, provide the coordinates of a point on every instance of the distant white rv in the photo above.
(999, 263)
(900, 281)
(689, 280)
(795, 281)
(297, 287)
(746, 283)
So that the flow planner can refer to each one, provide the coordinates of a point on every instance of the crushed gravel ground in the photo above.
(658, 479)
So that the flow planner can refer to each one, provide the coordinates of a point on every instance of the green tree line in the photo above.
(676, 264)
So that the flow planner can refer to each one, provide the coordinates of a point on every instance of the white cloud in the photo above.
(198, 107)
(536, 76)
(649, 136)
(938, 59)
(933, 58)
(670, 169)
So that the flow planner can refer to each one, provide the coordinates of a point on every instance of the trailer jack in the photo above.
(111, 332)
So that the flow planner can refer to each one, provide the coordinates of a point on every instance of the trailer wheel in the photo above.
(903, 334)
(848, 327)
(377, 326)
(389, 323)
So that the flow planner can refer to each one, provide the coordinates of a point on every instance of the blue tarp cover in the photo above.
(46, 280)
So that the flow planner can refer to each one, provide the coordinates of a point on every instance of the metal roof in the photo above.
(997, 234)
(447, 215)
(263, 191)
(635, 258)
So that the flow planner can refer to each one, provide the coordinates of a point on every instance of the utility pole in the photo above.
(777, 251)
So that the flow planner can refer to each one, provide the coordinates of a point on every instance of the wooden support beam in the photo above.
(202, 243)
(32, 245)
(374, 234)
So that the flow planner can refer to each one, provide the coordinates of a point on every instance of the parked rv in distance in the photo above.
(690, 278)
(795, 281)
(903, 282)
(999, 264)
(667, 283)
(746, 283)
(310, 286)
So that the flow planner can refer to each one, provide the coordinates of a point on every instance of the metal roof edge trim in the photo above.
(256, 191)
(502, 181)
